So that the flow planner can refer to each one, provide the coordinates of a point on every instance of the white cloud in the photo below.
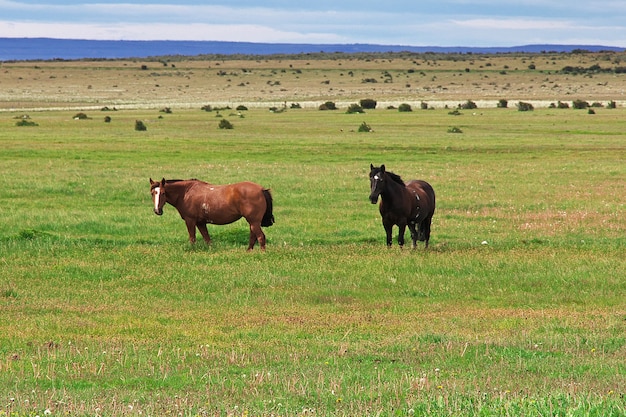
(513, 24)
(440, 23)
(162, 31)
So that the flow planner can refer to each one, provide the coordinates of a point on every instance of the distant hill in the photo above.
(19, 49)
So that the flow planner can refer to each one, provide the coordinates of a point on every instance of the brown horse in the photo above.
(200, 203)
(401, 204)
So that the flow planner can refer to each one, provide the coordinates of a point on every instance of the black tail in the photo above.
(268, 217)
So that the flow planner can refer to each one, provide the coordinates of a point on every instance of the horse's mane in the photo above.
(395, 177)
(173, 181)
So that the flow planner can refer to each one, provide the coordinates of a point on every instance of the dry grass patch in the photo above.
(275, 80)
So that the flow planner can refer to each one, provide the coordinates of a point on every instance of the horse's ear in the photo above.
(163, 182)
(371, 167)
(382, 168)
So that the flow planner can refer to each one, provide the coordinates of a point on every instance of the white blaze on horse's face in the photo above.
(376, 187)
(158, 197)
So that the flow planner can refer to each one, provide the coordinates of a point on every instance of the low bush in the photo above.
(355, 108)
(329, 105)
(368, 103)
(405, 107)
(225, 124)
(468, 105)
(524, 106)
(365, 128)
(140, 126)
(580, 104)
(25, 122)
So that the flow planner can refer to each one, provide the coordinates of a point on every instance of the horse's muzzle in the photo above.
(158, 212)
(373, 199)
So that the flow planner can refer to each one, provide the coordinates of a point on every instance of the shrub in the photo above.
(241, 107)
(25, 122)
(502, 104)
(295, 106)
(580, 104)
(454, 113)
(225, 124)
(405, 107)
(207, 107)
(354, 108)
(468, 105)
(454, 129)
(365, 128)
(612, 105)
(107, 119)
(329, 105)
(524, 106)
(166, 110)
(424, 105)
(80, 116)
(591, 111)
(140, 126)
(562, 105)
(368, 103)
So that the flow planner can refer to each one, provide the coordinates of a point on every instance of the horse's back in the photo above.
(425, 192)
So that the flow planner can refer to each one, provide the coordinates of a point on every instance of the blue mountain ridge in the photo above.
(25, 49)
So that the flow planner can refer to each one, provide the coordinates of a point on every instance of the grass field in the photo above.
(517, 308)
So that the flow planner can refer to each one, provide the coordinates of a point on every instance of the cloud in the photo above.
(430, 23)
(513, 24)
(163, 31)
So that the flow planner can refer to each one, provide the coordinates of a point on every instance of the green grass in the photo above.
(516, 309)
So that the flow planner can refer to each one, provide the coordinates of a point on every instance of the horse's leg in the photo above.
(402, 228)
(205, 233)
(426, 230)
(413, 234)
(191, 229)
(256, 234)
(388, 228)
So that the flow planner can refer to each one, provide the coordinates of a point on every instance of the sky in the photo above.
(472, 23)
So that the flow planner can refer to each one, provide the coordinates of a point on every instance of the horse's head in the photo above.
(377, 182)
(157, 189)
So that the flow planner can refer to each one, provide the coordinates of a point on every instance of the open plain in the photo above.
(517, 308)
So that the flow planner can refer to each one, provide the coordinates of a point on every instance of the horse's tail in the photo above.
(268, 217)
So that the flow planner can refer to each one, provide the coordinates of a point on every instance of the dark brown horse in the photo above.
(401, 204)
(200, 203)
